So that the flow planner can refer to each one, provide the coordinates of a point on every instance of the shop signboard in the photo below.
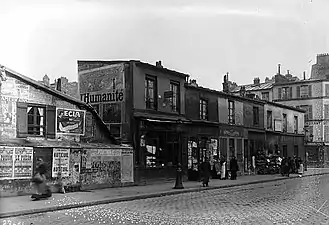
(61, 162)
(16, 162)
(70, 121)
(227, 131)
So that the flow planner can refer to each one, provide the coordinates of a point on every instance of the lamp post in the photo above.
(179, 170)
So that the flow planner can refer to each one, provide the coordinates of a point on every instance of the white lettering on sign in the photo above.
(72, 113)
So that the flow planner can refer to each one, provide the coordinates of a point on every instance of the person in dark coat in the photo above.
(234, 168)
(40, 181)
(206, 172)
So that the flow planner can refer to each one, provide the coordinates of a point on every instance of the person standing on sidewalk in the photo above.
(301, 167)
(40, 181)
(206, 172)
(234, 168)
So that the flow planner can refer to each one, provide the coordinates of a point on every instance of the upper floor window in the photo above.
(203, 109)
(231, 112)
(269, 119)
(36, 120)
(151, 92)
(295, 124)
(266, 96)
(304, 91)
(327, 90)
(308, 115)
(175, 100)
(285, 122)
(286, 93)
(255, 111)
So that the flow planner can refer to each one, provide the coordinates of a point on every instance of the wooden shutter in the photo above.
(326, 133)
(290, 92)
(327, 89)
(298, 92)
(279, 93)
(21, 120)
(309, 90)
(310, 112)
(51, 122)
(326, 111)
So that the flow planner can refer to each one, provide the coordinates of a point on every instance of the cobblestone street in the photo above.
(295, 201)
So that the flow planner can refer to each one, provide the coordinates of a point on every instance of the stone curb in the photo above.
(142, 196)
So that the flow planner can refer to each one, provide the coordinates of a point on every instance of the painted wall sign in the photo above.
(108, 97)
(70, 121)
(277, 125)
(61, 162)
(16, 163)
(231, 132)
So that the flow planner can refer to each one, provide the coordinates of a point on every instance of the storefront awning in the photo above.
(160, 118)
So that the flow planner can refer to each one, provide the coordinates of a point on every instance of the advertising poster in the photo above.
(61, 162)
(70, 121)
(23, 164)
(6, 162)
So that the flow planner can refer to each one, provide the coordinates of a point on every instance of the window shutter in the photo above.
(21, 122)
(51, 122)
(326, 133)
(310, 112)
(309, 90)
(326, 111)
(327, 89)
(298, 92)
(290, 92)
(279, 93)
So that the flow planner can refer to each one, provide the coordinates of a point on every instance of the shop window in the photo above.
(203, 109)
(151, 92)
(150, 156)
(285, 151)
(255, 111)
(115, 129)
(175, 99)
(231, 112)
(112, 113)
(232, 146)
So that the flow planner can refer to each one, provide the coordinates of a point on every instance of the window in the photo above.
(266, 96)
(269, 119)
(284, 122)
(308, 112)
(296, 124)
(326, 133)
(327, 90)
(326, 111)
(175, 99)
(304, 91)
(151, 92)
(286, 92)
(231, 112)
(96, 107)
(203, 109)
(36, 120)
(112, 113)
(255, 111)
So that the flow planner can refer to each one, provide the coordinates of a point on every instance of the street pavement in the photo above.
(289, 201)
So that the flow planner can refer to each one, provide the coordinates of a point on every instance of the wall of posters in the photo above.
(70, 121)
(16, 162)
(61, 162)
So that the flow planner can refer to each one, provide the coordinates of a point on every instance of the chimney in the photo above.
(193, 83)
(304, 75)
(256, 80)
(59, 84)
(288, 72)
(226, 87)
(243, 91)
(279, 68)
(158, 64)
(46, 80)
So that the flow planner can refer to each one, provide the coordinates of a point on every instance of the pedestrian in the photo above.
(296, 164)
(206, 172)
(301, 167)
(223, 169)
(234, 168)
(217, 168)
(291, 166)
(40, 181)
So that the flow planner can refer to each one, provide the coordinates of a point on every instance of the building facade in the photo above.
(38, 122)
(143, 105)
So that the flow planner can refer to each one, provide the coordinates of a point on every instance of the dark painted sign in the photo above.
(70, 121)
(226, 131)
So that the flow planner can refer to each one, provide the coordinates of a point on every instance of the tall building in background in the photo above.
(311, 95)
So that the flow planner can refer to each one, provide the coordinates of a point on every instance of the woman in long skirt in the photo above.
(301, 167)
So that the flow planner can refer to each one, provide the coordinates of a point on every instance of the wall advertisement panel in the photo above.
(61, 162)
(16, 162)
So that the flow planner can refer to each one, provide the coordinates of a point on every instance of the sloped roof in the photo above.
(62, 96)
(255, 87)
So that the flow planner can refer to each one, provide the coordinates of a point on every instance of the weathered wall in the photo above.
(223, 111)
(248, 114)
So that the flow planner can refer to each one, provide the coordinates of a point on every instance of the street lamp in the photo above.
(179, 170)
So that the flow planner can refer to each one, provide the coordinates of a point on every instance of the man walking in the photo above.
(234, 168)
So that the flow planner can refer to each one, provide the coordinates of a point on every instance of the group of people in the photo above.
(292, 165)
(219, 170)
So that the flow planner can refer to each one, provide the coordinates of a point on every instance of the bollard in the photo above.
(179, 178)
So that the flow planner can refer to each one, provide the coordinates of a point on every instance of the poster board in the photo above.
(16, 162)
(61, 162)
(70, 121)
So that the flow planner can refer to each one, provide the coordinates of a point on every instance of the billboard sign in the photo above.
(70, 121)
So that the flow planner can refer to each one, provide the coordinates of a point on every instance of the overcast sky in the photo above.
(205, 39)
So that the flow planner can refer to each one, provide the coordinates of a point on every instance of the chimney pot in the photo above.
(159, 64)
(279, 68)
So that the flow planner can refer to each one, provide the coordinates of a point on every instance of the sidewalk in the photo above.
(22, 205)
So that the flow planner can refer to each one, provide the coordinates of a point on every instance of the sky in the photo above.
(205, 39)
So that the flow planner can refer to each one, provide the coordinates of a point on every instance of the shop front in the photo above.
(257, 146)
(233, 142)
(202, 143)
(160, 145)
